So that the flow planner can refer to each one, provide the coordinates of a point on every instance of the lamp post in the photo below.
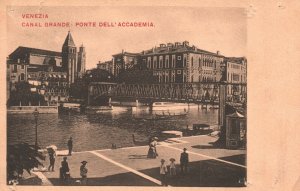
(36, 115)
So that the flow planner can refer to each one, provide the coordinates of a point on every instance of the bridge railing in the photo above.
(204, 92)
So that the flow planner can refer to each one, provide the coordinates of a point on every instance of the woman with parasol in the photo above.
(52, 154)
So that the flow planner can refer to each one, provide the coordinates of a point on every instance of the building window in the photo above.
(149, 62)
(155, 62)
(192, 61)
(15, 68)
(178, 71)
(22, 76)
(173, 61)
(167, 62)
(192, 78)
(178, 57)
(160, 62)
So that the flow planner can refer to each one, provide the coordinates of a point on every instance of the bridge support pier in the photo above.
(109, 101)
(136, 102)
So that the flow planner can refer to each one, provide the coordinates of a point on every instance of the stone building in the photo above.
(107, 65)
(47, 71)
(81, 61)
(124, 61)
(179, 63)
(236, 77)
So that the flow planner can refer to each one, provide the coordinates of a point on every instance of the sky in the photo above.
(209, 28)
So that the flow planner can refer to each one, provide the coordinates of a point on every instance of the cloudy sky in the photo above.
(211, 29)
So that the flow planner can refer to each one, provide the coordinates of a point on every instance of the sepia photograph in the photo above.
(151, 96)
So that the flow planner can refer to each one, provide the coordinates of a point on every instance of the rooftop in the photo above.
(21, 50)
(177, 47)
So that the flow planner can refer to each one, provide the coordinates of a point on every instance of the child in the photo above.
(172, 167)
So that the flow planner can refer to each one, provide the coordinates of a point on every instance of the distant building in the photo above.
(16, 71)
(81, 61)
(236, 77)
(179, 63)
(53, 85)
(54, 70)
(124, 61)
(108, 66)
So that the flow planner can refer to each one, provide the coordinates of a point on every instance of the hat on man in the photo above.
(65, 158)
(84, 162)
(185, 149)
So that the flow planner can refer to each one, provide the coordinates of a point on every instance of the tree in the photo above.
(22, 93)
(22, 157)
(136, 76)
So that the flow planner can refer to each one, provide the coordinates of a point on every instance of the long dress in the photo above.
(152, 150)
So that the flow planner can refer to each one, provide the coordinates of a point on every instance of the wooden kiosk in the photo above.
(235, 130)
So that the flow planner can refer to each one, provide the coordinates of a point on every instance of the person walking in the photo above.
(184, 160)
(70, 145)
(64, 170)
(83, 173)
(172, 167)
(163, 173)
(52, 155)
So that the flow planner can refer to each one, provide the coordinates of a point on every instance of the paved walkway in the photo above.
(130, 166)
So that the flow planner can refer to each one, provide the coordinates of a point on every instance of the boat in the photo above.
(97, 109)
(171, 114)
(73, 107)
(168, 106)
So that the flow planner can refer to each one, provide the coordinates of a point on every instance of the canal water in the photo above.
(101, 130)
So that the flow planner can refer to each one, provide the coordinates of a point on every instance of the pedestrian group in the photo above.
(64, 170)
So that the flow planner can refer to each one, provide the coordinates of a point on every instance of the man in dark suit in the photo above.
(64, 170)
(184, 160)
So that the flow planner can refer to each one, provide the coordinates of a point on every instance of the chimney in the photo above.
(218, 52)
(162, 45)
(177, 44)
(185, 43)
(170, 44)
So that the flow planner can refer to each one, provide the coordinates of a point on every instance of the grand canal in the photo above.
(101, 130)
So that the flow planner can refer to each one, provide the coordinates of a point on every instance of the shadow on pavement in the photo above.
(138, 157)
(205, 173)
(123, 179)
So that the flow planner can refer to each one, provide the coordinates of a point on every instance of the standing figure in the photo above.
(83, 173)
(64, 170)
(172, 167)
(52, 155)
(70, 145)
(163, 173)
(152, 153)
(184, 160)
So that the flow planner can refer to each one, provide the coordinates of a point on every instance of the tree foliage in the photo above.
(136, 76)
(21, 157)
(21, 93)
